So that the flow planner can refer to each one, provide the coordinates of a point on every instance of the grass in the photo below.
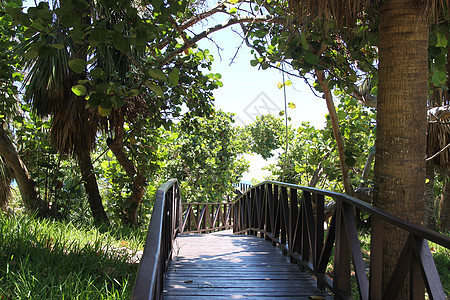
(43, 259)
(441, 257)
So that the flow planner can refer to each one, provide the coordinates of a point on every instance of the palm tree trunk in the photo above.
(401, 120)
(90, 184)
(27, 188)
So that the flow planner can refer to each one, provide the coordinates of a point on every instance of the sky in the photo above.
(249, 92)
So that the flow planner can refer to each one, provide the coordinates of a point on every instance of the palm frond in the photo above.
(438, 136)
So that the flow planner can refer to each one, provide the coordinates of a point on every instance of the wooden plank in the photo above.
(223, 266)
(238, 296)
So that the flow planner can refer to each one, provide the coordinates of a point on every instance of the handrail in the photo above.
(243, 187)
(207, 217)
(164, 226)
(285, 214)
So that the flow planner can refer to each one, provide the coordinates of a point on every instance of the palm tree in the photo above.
(74, 127)
(402, 104)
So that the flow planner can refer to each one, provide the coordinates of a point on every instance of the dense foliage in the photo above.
(205, 157)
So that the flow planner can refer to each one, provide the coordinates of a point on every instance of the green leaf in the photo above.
(233, 10)
(14, 12)
(79, 90)
(104, 165)
(254, 62)
(104, 111)
(157, 75)
(157, 89)
(95, 99)
(99, 35)
(441, 40)
(98, 73)
(77, 36)
(30, 54)
(304, 41)
(311, 58)
(439, 78)
(120, 42)
(77, 65)
(29, 32)
(291, 105)
(174, 76)
(141, 38)
(341, 114)
(17, 76)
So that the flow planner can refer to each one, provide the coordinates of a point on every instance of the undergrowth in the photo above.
(44, 259)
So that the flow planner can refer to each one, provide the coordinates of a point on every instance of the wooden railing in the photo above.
(243, 187)
(164, 226)
(207, 217)
(292, 217)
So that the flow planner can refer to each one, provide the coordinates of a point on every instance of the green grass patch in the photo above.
(43, 259)
(441, 257)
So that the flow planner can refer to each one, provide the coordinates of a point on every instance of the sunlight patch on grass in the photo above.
(42, 259)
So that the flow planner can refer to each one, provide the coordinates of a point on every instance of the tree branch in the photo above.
(193, 20)
(218, 27)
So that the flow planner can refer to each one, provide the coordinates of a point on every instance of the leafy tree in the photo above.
(205, 156)
(266, 134)
(10, 36)
(312, 157)
(316, 49)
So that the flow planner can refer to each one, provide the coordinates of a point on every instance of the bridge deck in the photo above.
(223, 266)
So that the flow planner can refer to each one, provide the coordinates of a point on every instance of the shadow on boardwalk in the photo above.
(226, 266)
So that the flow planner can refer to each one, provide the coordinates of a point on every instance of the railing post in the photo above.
(276, 215)
(318, 239)
(376, 259)
(341, 283)
(269, 210)
(284, 217)
(293, 223)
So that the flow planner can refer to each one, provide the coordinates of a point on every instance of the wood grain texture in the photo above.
(226, 266)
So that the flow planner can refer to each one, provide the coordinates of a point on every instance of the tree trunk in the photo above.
(444, 215)
(5, 187)
(430, 210)
(336, 131)
(138, 190)
(90, 184)
(401, 120)
(30, 196)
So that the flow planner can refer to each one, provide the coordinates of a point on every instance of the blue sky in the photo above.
(248, 91)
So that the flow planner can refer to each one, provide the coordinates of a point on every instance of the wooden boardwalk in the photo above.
(226, 266)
